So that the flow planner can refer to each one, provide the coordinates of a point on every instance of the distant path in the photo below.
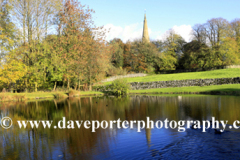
(125, 76)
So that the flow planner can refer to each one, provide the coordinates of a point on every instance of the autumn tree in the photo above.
(235, 28)
(229, 51)
(34, 17)
(12, 70)
(127, 56)
(81, 44)
(222, 37)
(199, 33)
(118, 51)
(216, 29)
(8, 34)
(143, 56)
(98, 61)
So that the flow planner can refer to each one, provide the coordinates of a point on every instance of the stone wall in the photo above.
(184, 83)
(197, 69)
(177, 83)
(124, 76)
(232, 66)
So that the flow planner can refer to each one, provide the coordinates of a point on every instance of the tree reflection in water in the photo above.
(117, 143)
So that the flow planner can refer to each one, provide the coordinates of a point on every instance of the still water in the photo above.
(121, 143)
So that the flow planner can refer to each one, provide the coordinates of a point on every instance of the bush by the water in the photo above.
(73, 93)
(120, 87)
(59, 95)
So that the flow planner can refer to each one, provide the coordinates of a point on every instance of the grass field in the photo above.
(220, 88)
(220, 73)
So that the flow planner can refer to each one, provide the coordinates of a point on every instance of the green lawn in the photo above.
(220, 73)
(220, 88)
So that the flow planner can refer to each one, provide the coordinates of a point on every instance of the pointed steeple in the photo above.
(145, 37)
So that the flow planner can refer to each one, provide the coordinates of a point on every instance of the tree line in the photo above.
(213, 44)
(49, 44)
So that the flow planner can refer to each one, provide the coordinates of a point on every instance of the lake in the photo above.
(81, 143)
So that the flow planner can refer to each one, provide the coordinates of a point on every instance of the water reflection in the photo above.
(120, 143)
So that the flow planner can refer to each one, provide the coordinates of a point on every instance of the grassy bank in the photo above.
(231, 89)
(221, 73)
(42, 95)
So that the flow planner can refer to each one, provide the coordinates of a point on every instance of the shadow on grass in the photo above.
(225, 91)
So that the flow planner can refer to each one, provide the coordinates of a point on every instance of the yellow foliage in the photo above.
(12, 71)
(229, 50)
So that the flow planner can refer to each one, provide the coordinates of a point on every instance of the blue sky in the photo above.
(125, 17)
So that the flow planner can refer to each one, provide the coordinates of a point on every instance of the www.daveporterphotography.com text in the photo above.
(93, 125)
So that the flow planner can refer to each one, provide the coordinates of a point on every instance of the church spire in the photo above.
(145, 37)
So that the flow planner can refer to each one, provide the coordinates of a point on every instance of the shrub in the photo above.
(116, 71)
(73, 93)
(59, 95)
(150, 70)
(120, 87)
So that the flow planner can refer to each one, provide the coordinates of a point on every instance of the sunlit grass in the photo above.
(221, 88)
(220, 73)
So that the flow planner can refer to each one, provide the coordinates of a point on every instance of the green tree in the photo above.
(8, 32)
(173, 44)
(118, 51)
(143, 56)
(195, 55)
(171, 50)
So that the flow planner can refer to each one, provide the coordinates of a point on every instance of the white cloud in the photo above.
(183, 30)
(130, 32)
(134, 31)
